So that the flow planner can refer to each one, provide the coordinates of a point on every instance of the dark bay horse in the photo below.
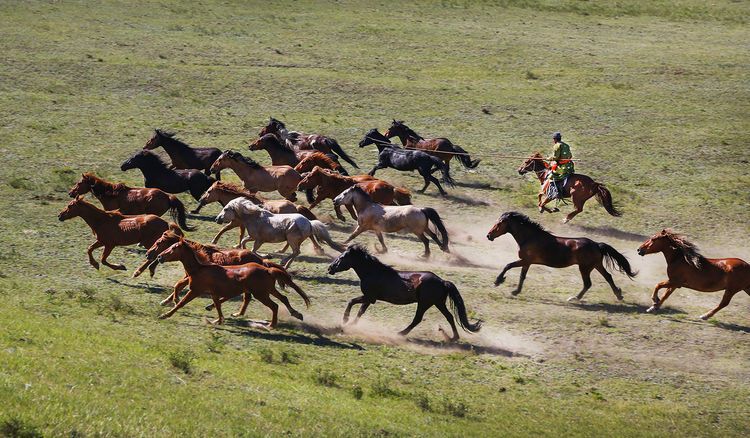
(686, 267)
(440, 147)
(158, 175)
(379, 281)
(130, 200)
(539, 247)
(182, 155)
(406, 160)
(113, 229)
(281, 154)
(580, 188)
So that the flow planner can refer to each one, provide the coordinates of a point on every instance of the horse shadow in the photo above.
(625, 308)
(731, 326)
(459, 199)
(475, 185)
(312, 335)
(152, 289)
(612, 232)
(328, 280)
(464, 347)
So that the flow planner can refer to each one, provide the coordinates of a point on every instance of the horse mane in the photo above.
(361, 251)
(236, 190)
(276, 122)
(171, 136)
(102, 187)
(410, 132)
(243, 204)
(241, 158)
(688, 250)
(151, 159)
(279, 143)
(523, 220)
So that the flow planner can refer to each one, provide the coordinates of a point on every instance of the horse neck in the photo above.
(190, 261)
(364, 269)
(93, 216)
(404, 138)
(522, 234)
(360, 202)
(671, 255)
(154, 169)
(172, 145)
(541, 174)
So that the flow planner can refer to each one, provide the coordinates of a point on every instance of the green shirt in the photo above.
(562, 152)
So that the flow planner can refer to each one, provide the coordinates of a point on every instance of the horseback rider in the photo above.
(560, 168)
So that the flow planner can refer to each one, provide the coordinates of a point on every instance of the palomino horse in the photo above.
(321, 160)
(222, 283)
(579, 188)
(223, 192)
(182, 155)
(257, 178)
(211, 253)
(130, 200)
(113, 229)
(263, 226)
(406, 160)
(378, 218)
(282, 154)
(379, 281)
(686, 267)
(536, 246)
(440, 147)
(330, 184)
(158, 175)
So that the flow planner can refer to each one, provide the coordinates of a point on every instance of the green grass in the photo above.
(653, 95)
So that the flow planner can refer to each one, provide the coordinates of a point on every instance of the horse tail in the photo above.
(176, 229)
(321, 233)
(334, 145)
(285, 279)
(401, 196)
(465, 158)
(459, 309)
(304, 211)
(616, 260)
(605, 199)
(177, 210)
(432, 216)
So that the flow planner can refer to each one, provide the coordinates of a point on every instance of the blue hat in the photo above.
(557, 136)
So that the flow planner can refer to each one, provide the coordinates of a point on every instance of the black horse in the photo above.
(182, 155)
(407, 160)
(157, 174)
(379, 281)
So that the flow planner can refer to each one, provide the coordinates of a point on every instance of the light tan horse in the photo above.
(257, 178)
(378, 218)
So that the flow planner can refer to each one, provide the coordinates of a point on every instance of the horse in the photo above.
(379, 281)
(113, 229)
(439, 147)
(222, 283)
(129, 200)
(211, 253)
(223, 192)
(281, 154)
(301, 141)
(257, 178)
(686, 267)
(406, 160)
(378, 218)
(158, 175)
(537, 246)
(182, 155)
(579, 188)
(330, 184)
(319, 159)
(264, 226)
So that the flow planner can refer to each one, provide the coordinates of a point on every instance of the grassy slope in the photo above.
(653, 93)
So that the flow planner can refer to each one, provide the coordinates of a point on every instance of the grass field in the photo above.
(654, 95)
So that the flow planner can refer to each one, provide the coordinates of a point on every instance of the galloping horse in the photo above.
(257, 178)
(222, 283)
(330, 184)
(158, 175)
(282, 154)
(579, 188)
(440, 147)
(113, 229)
(263, 226)
(378, 218)
(686, 267)
(379, 281)
(406, 160)
(182, 155)
(536, 246)
(321, 160)
(131, 200)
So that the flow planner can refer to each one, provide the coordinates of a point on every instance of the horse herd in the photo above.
(310, 163)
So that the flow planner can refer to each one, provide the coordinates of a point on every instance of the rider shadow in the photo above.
(458, 199)
(317, 338)
(155, 289)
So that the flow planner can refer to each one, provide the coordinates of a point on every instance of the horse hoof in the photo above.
(704, 317)
(499, 281)
(573, 298)
(652, 309)
(165, 302)
(515, 292)
(298, 316)
(163, 316)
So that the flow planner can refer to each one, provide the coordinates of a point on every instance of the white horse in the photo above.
(264, 226)
(379, 218)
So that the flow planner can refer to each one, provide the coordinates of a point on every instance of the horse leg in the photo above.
(91, 249)
(447, 314)
(352, 212)
(421, 309)
(658, 304)
(358, 300)
(362, 310)
(655, 294)
(357, 231)
(285, 301)
(295, 252)
(217, 305)
(382, 242)
(316, 246)
(375, 168)
(428, 178)
(223, 230)
(728, 294)
(178, 287)
(105, 254)
(524, 270)
(426, 243)
(246, 297)
(190, 296)
(578, 202)
(266, 300)
(586, 277)
(242, 236)
(501, 278)
(607, 276)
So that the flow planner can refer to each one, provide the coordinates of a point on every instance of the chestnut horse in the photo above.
(257, 178)
(580, 188)
(686, 267)
(113, 229)
(321, 160)
(440, 147)
(182, 155)
(536, 246)
(131, 200)
(157, 174)
(330, 184)
(222, 283)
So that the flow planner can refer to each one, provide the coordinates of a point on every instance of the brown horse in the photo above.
(131, 200)
(440, 147)
(257, 178)
(539, 247)
(330, 184)
(281, 154)
(113, 229)
(580, 188)
(321, 160)
(222, 283)
(686, 267)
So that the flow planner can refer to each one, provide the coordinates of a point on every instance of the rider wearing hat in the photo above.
(560, 164)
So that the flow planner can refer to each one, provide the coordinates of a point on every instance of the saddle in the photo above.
(556, 189)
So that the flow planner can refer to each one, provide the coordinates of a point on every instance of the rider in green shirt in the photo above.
(560, 163)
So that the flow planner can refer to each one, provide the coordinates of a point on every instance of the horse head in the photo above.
(534, 163)
(174, 253)
(73, 209)
(82, 187)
